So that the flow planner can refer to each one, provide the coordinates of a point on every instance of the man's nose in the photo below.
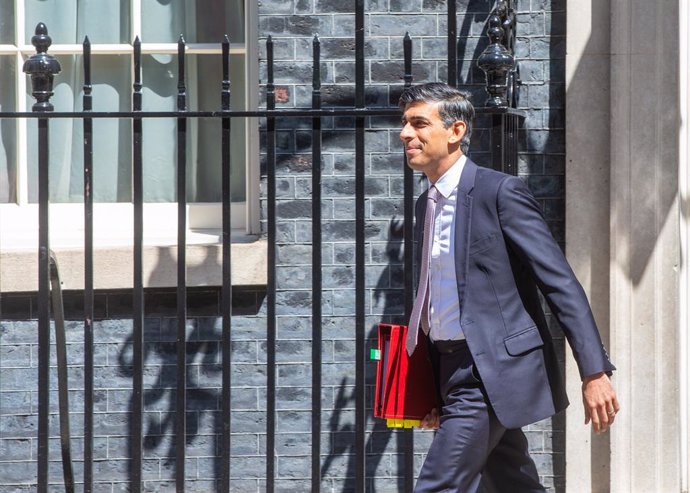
(405, 132)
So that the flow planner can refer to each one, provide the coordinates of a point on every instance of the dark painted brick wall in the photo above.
(293, 23)
(113, 383)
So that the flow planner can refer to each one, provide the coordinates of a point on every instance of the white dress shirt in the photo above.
(444, 306)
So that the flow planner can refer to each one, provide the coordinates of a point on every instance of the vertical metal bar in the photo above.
(360, 273)
(408, 185)
(408, 238)
(181, 340)
(452, 44)
(227, 272)
(43, 305)
(42, 67)
(271, 274)
(63, 381)
(497, 142)
(508, 144)
(138, 291)
(316, 274)
(514, 139)
(88, 273)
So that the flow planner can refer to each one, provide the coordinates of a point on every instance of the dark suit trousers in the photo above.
(471, 446)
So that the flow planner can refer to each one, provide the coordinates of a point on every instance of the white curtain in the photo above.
(8, 131)
(107, 21)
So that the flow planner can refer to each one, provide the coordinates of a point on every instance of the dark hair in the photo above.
(454, 105)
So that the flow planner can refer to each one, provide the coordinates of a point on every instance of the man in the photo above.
(489, 252)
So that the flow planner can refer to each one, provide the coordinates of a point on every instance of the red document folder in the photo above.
(405, 390)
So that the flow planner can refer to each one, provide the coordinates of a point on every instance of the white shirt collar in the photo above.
(450, 179)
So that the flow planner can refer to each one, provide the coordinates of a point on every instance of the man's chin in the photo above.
(414, 164)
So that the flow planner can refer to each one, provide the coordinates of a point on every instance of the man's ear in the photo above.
(458, 130)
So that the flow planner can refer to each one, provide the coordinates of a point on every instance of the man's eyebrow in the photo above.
(414, 118)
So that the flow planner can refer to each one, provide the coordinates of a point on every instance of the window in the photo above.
(111, 26)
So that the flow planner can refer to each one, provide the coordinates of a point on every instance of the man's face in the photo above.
(428, 144)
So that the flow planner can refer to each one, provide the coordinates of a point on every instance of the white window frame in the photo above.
(19, 221)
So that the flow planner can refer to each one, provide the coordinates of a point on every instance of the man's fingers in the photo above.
(605, 417)
(601, 403)
(613, 411)
(430, 421)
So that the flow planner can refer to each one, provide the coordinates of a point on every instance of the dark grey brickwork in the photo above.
(292, 23)
(113, 383)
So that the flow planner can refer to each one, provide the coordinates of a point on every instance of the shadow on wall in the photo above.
(389, 294)
(204, 419)
(203, 348)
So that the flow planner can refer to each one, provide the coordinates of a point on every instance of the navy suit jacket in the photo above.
(504, 255)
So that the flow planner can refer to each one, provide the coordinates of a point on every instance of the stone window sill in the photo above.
(113, 262)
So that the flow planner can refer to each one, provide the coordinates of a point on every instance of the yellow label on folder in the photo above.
(403, 423)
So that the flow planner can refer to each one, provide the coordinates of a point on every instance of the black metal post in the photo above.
(43, 304)
(88, 272)
(227, 272)
(360, 271)
(504, 140)
(408, 238)
(181, 341)
(452, 44)
(316, 275)
(58, 310)
(42, 68)
(136, 436)
(271, 274)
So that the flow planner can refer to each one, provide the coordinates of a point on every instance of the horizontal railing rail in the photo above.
(281, 113)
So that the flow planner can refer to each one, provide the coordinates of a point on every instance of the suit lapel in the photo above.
(463, 214)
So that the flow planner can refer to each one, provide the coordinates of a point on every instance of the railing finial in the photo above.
(497, 60)
(42, 68)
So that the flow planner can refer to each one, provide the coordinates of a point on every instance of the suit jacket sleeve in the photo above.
(528, 235)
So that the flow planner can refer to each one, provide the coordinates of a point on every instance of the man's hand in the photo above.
(430, 421)
(599, 399)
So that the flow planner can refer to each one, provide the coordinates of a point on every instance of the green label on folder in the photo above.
(375, 355)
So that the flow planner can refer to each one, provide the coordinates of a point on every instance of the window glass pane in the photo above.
(68, 21)
(8, 132)
(204, 78)
(111, 81)
(200, 21)
(208, 172)
(159, 77)
(7, 22)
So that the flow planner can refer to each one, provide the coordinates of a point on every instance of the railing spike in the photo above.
(407, 55)
(181, 88)
(86, 47)
(316, 69)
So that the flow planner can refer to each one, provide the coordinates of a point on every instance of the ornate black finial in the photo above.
(42, 67)
(496, 61)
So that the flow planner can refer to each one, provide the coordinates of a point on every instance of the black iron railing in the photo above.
(502, 78)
